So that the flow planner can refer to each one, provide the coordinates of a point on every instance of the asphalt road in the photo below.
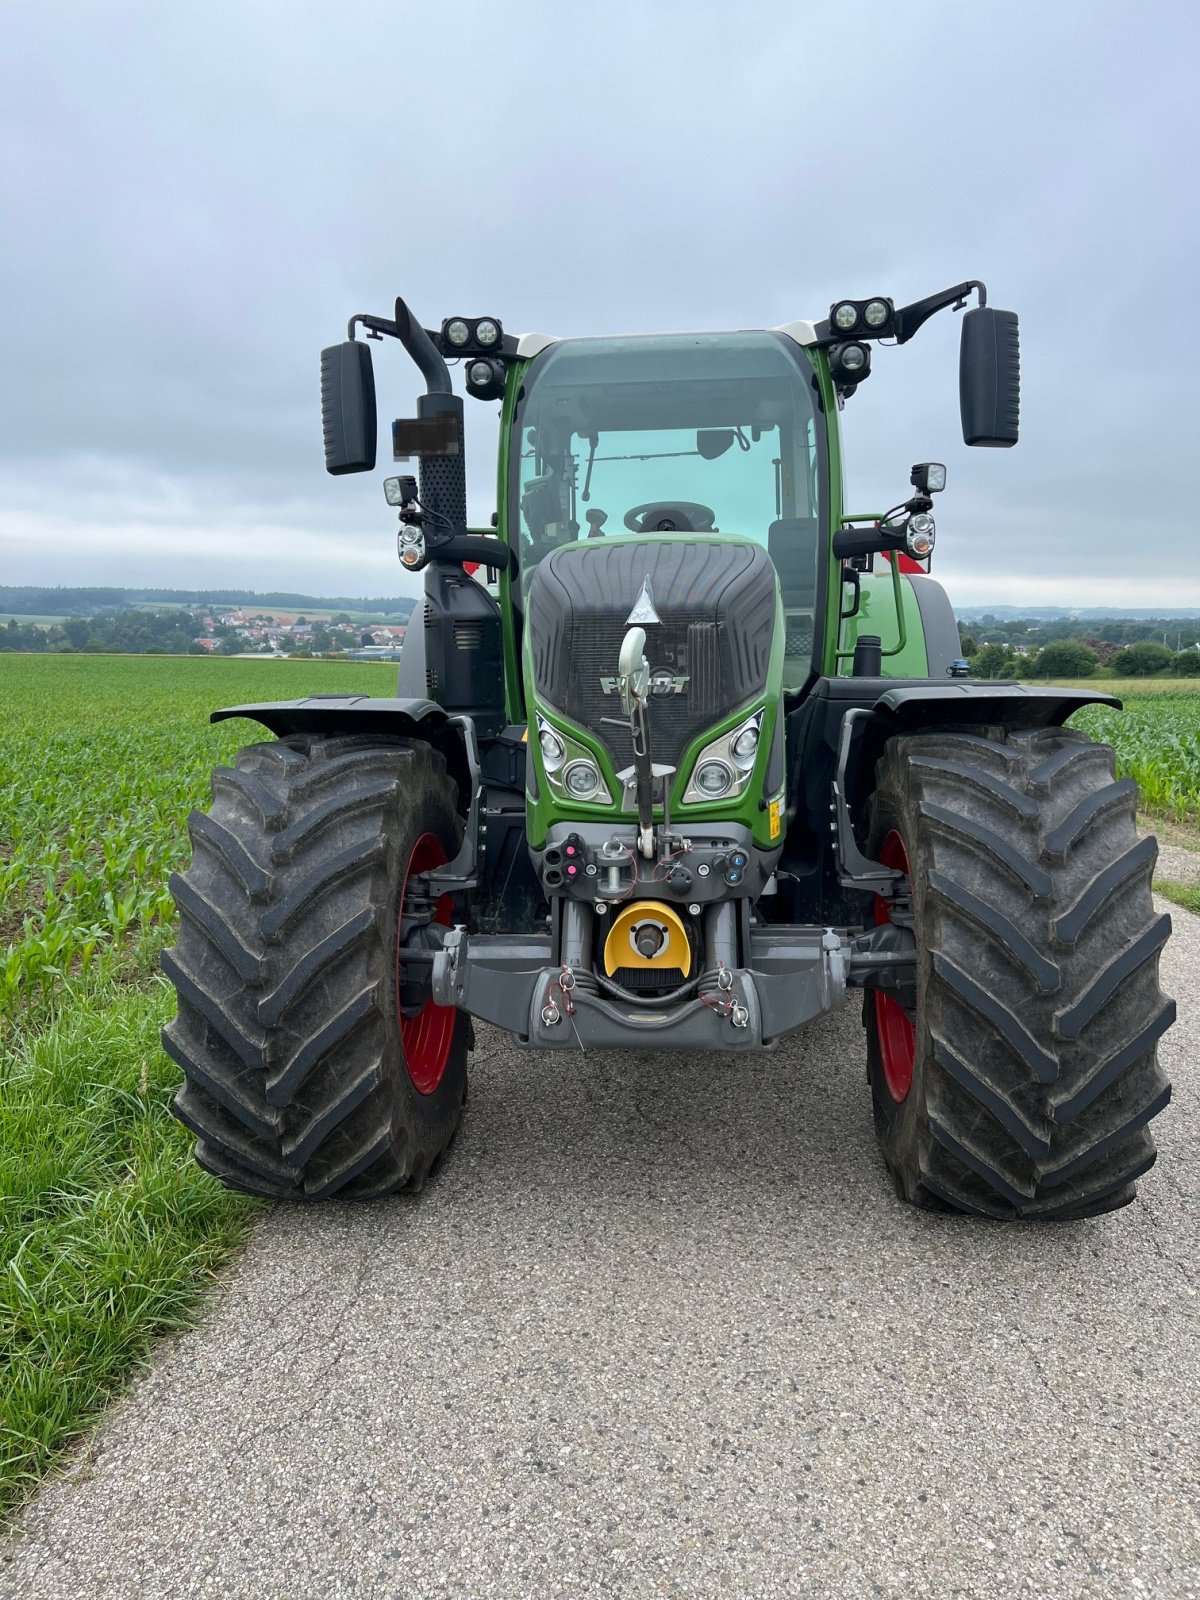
(661, 1328)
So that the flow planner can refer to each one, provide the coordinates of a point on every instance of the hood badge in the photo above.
(662, 683)
(643, 607)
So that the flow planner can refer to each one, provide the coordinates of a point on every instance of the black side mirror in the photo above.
(989, 377)
(348, 407)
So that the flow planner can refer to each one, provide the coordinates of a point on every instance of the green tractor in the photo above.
(682, 756)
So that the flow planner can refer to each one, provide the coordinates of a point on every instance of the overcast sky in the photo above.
(197, 195)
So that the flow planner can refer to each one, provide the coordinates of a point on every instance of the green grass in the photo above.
(109, 1232)
(20, 616)
(1186, 895)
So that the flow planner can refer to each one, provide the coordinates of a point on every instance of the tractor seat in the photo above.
(792, 544)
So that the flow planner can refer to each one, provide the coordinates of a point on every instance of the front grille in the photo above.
(717, 602)
(674, 649)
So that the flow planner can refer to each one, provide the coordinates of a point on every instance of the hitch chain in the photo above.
(551, 1013)
(724, 1003)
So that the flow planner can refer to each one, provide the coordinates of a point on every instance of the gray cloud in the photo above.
(198, 197)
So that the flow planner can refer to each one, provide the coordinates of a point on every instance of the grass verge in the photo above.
(107, 1226)
(1186, 895)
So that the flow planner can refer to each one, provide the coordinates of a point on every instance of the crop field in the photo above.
(101, 758)
(1157, 741)
(108, 1230)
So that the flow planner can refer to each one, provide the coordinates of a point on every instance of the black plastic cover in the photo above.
(348, 407)
(708, 654)
(989, 377)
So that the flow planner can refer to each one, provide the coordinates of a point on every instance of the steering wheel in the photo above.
(671, 516)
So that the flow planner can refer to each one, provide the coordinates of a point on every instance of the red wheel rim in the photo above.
(896, 1034)
(426, 1038)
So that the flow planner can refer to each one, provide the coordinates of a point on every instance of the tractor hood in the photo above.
(709, 608)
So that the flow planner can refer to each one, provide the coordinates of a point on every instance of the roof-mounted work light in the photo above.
(485, 378)
(469, 336)
(849, 363)
(868, 319)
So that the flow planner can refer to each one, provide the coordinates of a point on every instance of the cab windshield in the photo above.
(686, 433)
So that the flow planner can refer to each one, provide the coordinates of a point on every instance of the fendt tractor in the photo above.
(682, 755)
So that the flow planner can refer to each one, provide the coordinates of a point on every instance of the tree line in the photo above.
(1072, 658)
(114, 633)
(173, 632)
(31, 600)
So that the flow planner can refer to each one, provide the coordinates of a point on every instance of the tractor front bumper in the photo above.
(795, 974)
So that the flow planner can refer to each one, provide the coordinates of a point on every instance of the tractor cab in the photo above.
(717, 434)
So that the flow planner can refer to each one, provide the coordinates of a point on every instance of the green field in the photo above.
(108, 1231)
(1157, 741)
(19, 616)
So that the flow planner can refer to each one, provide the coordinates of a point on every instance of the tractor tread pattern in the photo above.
(1008, 936)
(1041, 1009)
(1073, 922)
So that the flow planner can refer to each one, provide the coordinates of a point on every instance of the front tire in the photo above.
(311, 1067)
(1030, 1072)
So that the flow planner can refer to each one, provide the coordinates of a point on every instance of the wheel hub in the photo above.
(894, 1027)
(426, 1029)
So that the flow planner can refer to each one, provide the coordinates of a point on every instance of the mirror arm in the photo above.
(867, 541)
(910, 318)
(415, 340)
(376, 326)
(851, 576)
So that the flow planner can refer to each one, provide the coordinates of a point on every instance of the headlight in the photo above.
(854, 358)
(845, 316)
(875, 313)
(724, 767)
(920, 534)
(486, 332)
(581, 778)
(571, 770)
(744, 746)
(458, 333)
(713, 779)
(553, 749)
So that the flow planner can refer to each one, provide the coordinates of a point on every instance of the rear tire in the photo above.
(1033, 1071)
(290, 1030)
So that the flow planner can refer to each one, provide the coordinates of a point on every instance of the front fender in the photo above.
(921, 707)
(341, 713)
(1008, 705)
(359, 713)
